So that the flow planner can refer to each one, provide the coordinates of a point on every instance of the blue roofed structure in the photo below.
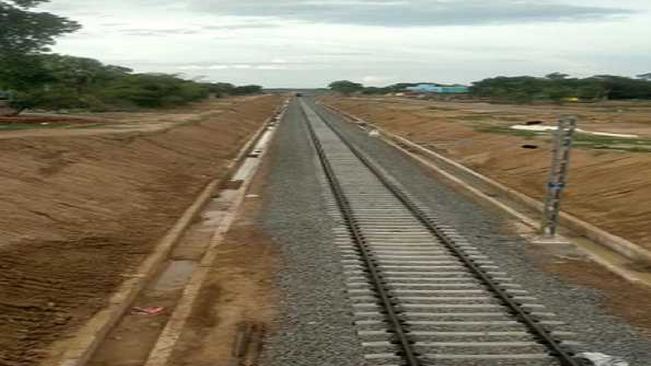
(436, 89)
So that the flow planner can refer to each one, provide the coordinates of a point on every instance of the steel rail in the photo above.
(376, 278)
(522, 315)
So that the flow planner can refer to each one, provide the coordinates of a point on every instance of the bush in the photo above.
(66, 82)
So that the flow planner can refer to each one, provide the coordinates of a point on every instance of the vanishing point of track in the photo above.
(421, 293)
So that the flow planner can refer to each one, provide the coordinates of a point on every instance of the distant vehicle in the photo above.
(299, 94)
(5, 95)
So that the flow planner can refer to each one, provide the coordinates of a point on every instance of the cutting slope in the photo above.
(79, 212)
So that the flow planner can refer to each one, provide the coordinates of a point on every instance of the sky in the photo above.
(310, 43)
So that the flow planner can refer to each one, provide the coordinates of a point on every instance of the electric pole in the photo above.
(562, 149)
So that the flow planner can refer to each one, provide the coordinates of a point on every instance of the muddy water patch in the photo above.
(175, 276)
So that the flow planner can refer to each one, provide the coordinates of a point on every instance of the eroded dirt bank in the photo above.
(79, 212)
(608, 188)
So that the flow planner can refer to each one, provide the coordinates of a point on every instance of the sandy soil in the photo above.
(79, 212)
(607, 188)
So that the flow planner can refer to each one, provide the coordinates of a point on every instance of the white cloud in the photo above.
(240, 42)
(413, 12)
(271, 67)
(373, 80)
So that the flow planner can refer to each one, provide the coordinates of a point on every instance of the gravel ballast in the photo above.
(316, 323)
(315, 327)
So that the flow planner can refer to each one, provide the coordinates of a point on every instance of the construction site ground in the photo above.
(82, 204)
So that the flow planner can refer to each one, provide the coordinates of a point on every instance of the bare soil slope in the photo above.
(609, 188)
(79, 212)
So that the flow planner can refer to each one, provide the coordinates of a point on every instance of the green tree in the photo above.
(24, 34)
(557, 76)
(371, 90)
(646, 76)
(23, 31)
(220, 89)
(152, 90)
(345, 87)
(247, 89)
(556, 88)
(590, 90)
(557, 93)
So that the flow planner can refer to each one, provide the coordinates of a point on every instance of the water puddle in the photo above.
(175, 276)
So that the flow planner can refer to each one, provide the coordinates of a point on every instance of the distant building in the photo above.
(5, 95)
(436, 89)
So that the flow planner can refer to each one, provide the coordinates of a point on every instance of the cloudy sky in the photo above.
(308, 43)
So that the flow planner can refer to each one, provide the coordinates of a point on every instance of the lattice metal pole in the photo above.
(563, 141)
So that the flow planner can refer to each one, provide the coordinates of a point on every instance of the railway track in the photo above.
(421, 293)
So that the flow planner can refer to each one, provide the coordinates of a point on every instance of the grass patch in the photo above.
(508, 131)
(476, 117)
(610, 140)
(581, 140)
(87, 126)
(612, 143)
(633, 149)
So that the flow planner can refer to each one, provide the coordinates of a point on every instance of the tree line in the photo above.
(558, 87)
(35, 78)
(349, 87)
(554, 87)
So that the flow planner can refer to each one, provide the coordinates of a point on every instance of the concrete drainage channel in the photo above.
(144, 327)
